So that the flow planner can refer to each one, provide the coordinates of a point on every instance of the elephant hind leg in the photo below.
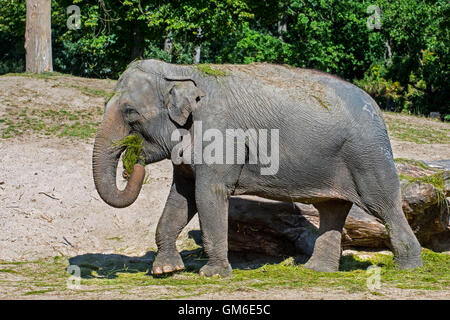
(380, 196)
(404, 244)
(327, 249)
(406, 247)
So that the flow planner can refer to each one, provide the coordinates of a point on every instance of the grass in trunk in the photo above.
(133, 152)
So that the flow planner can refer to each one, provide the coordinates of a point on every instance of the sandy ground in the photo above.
(425, 152)
(49, 205)
(251, 294)
(48, 202)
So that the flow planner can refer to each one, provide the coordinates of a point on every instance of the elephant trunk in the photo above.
(105, 159)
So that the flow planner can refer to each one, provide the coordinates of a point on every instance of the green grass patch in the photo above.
(133, 152)
(7, 271)
(121, 275)
(81, 124)
(436, 179)
(42, 75)
(114, 239)
(414, 163)
(91, 92)
(421, 132)
(37, 292)
(207, 70)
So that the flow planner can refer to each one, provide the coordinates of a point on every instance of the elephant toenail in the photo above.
(156, 270)
(167, 269)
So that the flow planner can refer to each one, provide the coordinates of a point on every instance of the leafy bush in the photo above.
(253, 46)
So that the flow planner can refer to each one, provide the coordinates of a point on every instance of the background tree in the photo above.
(38, 36)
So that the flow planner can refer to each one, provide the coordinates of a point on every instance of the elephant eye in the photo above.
(132, 115)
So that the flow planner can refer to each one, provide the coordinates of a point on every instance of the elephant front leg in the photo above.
(212, 204)
(179, 209)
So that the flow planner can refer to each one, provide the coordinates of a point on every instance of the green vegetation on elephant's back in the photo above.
(208, 70)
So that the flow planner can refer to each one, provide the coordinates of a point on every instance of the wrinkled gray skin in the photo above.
(334, 151)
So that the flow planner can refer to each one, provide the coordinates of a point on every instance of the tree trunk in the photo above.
(167, 44)
(197, 54)
(138, 40)
(198, 48)
(279, 228)
(281, 27)
(38, 36)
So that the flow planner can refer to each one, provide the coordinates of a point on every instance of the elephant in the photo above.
(333, 151)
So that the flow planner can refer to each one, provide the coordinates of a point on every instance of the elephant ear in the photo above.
(182, 99)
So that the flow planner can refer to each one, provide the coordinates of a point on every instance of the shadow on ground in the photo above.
(98, 265)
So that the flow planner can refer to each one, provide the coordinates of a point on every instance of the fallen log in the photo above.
(285, 229)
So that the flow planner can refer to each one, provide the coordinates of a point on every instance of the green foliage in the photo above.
(418, 35)
(12, 36)
(249, 45)
(332, 36)
(404, 65)
(386, 92)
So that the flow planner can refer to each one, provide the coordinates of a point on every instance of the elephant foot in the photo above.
(408, 263)
(222, 270)
(327, 250)
(167, 263)
(321, 266)
(407, 250)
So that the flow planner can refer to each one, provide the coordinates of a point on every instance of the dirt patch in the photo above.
(49, 205)
(414, 151)
(386, 293)
(58, 92)
(145, 293)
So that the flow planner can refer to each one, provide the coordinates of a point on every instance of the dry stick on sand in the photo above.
(50, 196)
